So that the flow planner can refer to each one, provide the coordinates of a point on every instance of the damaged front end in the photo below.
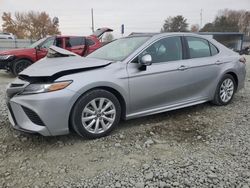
(37, 89)
(59, 62)
(41, 77)
(5, 61)
(29, 104)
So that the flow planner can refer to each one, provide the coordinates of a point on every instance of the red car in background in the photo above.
(17, 60)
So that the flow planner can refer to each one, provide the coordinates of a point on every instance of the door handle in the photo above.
(218, 62)
(183, 67)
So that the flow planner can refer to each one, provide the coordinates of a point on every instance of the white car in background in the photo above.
(4, 35)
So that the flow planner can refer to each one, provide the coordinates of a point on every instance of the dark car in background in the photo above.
(17, 60)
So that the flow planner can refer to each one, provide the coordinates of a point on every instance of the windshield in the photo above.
(43, 43)
(119, 49)
(35, 44)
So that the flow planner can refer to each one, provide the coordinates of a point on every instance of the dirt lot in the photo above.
(200, 146)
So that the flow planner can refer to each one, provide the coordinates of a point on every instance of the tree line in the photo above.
(30, 25)
(36, 25)
(225, 21)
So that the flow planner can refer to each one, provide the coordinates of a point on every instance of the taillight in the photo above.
(242, 60)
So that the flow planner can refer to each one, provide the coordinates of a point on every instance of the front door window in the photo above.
(49, 42)
(164, 50)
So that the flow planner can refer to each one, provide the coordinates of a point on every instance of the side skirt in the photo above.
(165, 108)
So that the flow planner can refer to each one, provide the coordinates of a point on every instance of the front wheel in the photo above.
(225, 90)
(96, 114)
(19, 65)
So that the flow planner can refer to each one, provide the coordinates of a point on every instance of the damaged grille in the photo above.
(16, 85)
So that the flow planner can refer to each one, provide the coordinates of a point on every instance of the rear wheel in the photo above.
(225, 90)
(19, 65)
(96, 114)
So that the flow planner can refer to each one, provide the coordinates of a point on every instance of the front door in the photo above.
(42, 51)
(165, 82)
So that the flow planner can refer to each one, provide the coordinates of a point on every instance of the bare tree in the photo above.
(244, 23)
(32, 25)
(230, 20)
(9, 25)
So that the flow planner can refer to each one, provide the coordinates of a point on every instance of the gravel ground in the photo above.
(199, 146)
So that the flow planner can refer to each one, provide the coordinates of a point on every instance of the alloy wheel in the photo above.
(98, 115)
(226, 90)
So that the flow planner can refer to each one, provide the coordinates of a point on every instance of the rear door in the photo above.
(75, 45)
(203, 66)
(92, 44)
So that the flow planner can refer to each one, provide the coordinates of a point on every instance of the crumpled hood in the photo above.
(57, 63)
(48, 67)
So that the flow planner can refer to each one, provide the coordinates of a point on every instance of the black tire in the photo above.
(217, 98)
(83, 101)
(19, 65)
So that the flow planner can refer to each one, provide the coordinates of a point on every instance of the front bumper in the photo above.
(20, 121)
(53, 110)
(4, 64)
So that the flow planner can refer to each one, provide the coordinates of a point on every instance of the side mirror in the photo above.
(145, 60)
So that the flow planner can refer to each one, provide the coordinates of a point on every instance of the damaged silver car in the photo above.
(135, 76)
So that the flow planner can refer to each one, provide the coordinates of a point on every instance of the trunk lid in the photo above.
(99, 32)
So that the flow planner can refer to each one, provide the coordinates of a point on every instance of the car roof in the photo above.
(159, 35)
(63, 36)
(142, 34)
(66, 36)
(4, 33)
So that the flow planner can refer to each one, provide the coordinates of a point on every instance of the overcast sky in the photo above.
(137, 15)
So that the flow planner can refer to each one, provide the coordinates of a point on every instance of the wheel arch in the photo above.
(234, 76)
(13, 65)
(10, 65)
(19, 59)
(118, 96)
(24, 58)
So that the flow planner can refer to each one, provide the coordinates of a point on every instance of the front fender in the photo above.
(112, 77)
(124, 93)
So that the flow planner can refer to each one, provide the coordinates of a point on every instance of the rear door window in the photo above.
(59, 42)
(90, 42)
(74, 41)
(198, 47)
(214, 50)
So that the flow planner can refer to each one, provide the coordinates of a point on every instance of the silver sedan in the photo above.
(135, 76)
